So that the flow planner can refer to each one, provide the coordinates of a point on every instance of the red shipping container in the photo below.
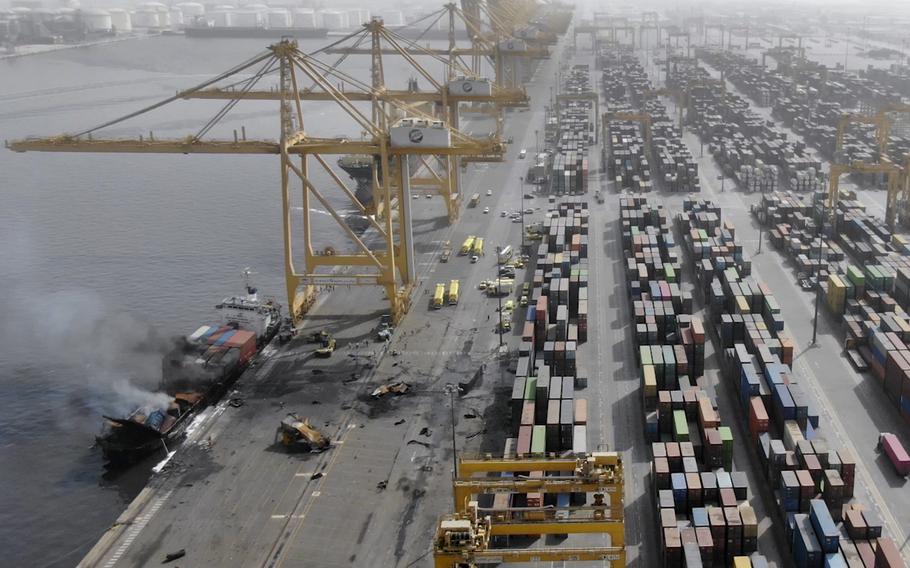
(524, 440)
(758, 418)
(527, 414)
(887, 555)
(245, 341)
(707, 416)
(866, 552)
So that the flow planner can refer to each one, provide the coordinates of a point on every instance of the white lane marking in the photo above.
(841, 433)
(136, 528)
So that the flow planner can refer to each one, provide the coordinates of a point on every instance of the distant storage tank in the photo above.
(334, 20)
(97, 20)
(358, 17)
(392, 18)
(304, 18)
(145, 18)
(222, 18)
(121, 20)
(279, 19)
(191, 10)
(177, 18)
(247, 18)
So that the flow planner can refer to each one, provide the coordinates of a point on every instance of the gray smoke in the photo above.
(109, 357)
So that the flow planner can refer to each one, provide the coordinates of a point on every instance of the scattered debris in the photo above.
(398, 388)
(428, 468)
(470, 415)
(297, 433)
(382, 485)
(317, 475)
(478, 433)
(426, 432)
(418, 442)
(346, 406)
(170, 557)
(317, 371)
(399, 422)
(315, 402)
(236, 402)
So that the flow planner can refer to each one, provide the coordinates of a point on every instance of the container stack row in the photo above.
(812, 102)
(546, 416)
(864, 272)
(575, 134)
(813, 484)
(704, 515)
(627, 152)
(755, 153)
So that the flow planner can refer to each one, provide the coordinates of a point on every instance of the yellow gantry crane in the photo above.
(898, 174)
(464, 538)
(389, 260)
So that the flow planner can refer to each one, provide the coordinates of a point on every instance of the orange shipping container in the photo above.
(581, 411)
(758, 417)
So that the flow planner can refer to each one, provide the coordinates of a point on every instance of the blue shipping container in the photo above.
(825, 529)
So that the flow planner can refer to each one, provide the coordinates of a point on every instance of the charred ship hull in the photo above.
(198, 371)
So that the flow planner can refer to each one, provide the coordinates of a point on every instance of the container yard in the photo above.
(674, 331)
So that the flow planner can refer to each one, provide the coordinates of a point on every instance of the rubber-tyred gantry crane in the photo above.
(389, 261)
(464, 538)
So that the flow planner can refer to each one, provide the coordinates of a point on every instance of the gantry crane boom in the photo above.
(391, 265)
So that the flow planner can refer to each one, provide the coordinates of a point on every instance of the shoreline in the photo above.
(38, 49)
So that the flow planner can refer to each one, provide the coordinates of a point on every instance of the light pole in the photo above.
(451, 390)
(521, 188)
(498, 289)
(536, 143)
(761, 224)
(821, 225)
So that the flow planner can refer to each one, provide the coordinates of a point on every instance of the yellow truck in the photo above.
(453, 292)
(467, 245)
(477, 250)
(439, 296)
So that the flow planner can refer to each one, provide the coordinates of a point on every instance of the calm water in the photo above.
(103, 257)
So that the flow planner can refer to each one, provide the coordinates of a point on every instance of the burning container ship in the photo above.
(197, 371)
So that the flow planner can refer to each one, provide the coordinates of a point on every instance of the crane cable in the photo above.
(236, 69)
(233, 102)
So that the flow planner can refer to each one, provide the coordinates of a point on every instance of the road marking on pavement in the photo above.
(136, 528)
(302, 474)
(841, 433)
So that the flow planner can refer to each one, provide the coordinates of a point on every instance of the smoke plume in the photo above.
(78, 341)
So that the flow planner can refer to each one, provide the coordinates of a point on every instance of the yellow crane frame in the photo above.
(464, 540)
(600, 472)
(643, 118)
(393, 266)
(894, 183)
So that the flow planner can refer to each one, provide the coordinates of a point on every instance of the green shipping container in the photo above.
(680, 427)
(539, 440)
(530, 388)
(645, 352)
(856, 276)
(670, 273)
(771, 305)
